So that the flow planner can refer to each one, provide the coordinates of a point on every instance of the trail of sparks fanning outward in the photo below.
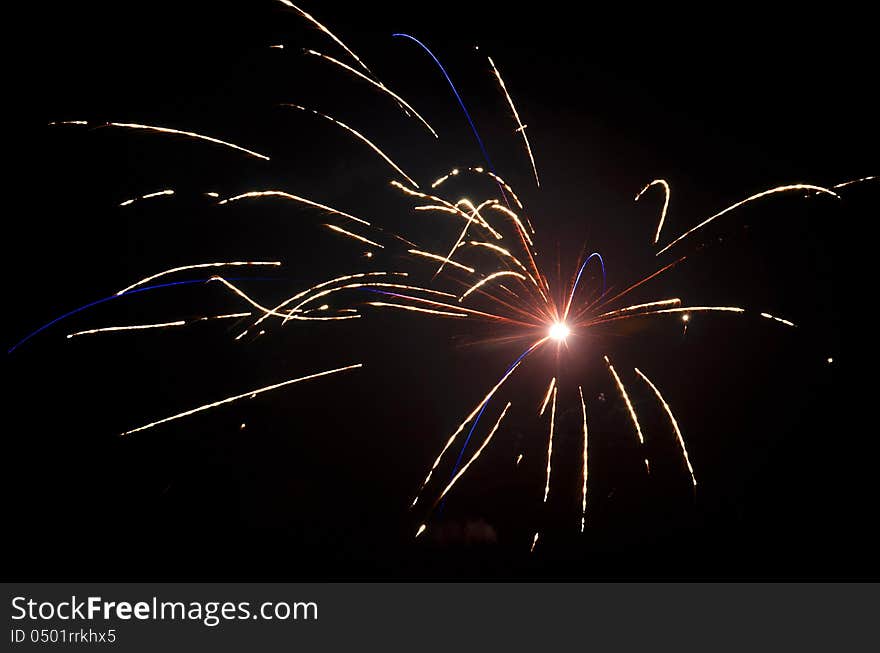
(674, 424)
(524, 304)
(250, 393)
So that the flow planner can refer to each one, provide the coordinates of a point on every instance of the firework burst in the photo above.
(490, 272)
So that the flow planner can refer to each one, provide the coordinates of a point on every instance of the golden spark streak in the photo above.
(357, 134)
(446, 207)
(194, 267)
(466, 310)
(133, 327)
(455, 171)
(147, 196)
(778, 319)
(665, 186)
(421, 530)
(504, 184)
(521, 127)
(674, 423)
(506, 253)
(159, 325)
(440, 180)
(519, 458)
(534, 543)
(314, 21)
(853, 181)
(295, 198)
(416, 309)
(467, 420)
(663, 302)
(772, 191)
(437, 257)
(68, 122)
(584, 489)
(685, 309)
(475, 211)
(550, 444)
(494, 275)
(355, 236)
(547, 396)
(629, 407)
(201, 137)
(475, 456)
(212, 194)
(513, 216)
(377, 84)
(251, 393)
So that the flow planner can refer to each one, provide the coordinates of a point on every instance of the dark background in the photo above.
(318, 483)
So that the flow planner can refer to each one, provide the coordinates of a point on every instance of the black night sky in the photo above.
(318, 483)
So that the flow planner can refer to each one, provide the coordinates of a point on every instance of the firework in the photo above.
(502, 283)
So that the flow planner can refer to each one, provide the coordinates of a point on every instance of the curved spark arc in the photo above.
(674, 424)
(358, 135)
(179, 132)
(521, 128)
(196, 266)
(326, 31)
(778, 319)
(376, 84)
(158, 193)
(665, 185)
(494, 275)
(116, 296)
(772, 191)
(479, 409)
(854, 181)
(295, 198)
(157, 325)
(454, 90)
(629, 408)
(250, 393)
(578, 278)
(355, 236)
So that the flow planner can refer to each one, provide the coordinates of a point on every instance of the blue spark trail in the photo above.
(126, 294)
(581, 271)
(477, 421)
(457, 96)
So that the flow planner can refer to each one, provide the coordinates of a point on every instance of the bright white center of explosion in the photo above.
(559, 331)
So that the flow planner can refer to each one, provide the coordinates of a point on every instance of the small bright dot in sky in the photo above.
(830, 360)
(242, 426)
(685, 317)
(559, 331)
(368, 254)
